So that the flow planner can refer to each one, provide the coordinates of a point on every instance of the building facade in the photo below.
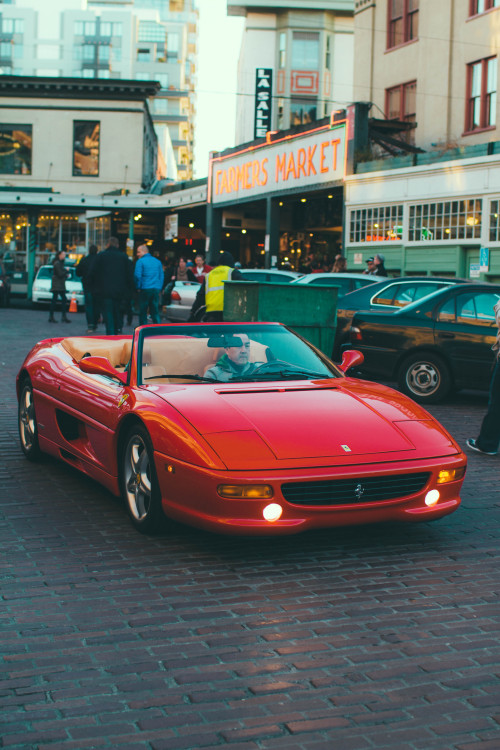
(433, 68)
(117, 39)
(296, 63)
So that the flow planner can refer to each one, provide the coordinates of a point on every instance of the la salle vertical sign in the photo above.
(263, 101)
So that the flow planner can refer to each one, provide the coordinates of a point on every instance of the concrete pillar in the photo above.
(31, 250)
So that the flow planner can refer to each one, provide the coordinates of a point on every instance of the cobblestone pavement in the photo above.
(351, 639)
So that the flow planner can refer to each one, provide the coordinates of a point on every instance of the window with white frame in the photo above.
(376, 224)
(495, 221)
(445, 220)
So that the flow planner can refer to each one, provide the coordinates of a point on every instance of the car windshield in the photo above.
(224, 353)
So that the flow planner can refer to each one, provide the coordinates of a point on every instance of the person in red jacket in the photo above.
(201, 268)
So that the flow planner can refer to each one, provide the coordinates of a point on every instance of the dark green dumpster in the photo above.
(310, 310)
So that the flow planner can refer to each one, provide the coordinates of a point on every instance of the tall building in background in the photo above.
(129, 39)
(299, 50)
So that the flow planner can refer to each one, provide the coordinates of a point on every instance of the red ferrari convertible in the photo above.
(243, 428)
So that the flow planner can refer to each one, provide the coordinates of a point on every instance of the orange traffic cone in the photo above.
(73, 307)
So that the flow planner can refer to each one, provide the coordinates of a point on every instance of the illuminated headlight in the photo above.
(246, 491)
(272, 512)
(432, 497)
(450, 475)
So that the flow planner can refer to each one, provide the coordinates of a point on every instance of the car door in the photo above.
(465, 331)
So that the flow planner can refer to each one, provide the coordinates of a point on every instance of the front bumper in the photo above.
(189, 494)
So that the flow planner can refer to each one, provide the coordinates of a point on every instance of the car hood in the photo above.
(294, 425)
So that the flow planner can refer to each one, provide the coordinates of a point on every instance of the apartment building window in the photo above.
(86, 140)
(328, 54)
(401, 104)
(376, 224)
(5, 49)
(481, 94)
(104, 53)
(173, 46)
(18, 26)
(282, 50)
(15, 152)
(481, 6)
(446, 220)
(7, 25)
(88, 52)
(89, 28)
(144, 55)
(305, 50)
(105, 28)
(116, 54)
(402, 23)
(149, 31)
(495, 221)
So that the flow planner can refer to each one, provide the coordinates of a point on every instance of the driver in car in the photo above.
(234, 362)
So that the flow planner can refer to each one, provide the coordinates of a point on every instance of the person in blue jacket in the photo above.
(148, 277)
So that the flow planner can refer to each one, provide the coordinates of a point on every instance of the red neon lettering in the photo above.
(280, 166)
(301, 162)
(264, 171)
(310, 166)
(290, 166)
(231, 178)
(255, 173)
(223, 182)
(322, 167)
(217, 181)
(240, 177)
(248, 166)
(335, 143)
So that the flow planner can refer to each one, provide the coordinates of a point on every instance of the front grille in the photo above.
(354, 491)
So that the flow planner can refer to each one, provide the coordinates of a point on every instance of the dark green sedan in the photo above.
(440, 343)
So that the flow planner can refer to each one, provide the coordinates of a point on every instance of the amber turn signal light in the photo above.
(246, 491)
(450, 475)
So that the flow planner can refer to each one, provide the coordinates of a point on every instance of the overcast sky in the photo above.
(219, 39)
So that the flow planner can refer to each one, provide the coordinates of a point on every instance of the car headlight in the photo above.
(450, 475)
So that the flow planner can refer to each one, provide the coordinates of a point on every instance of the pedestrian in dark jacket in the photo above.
(84, 270)
(488, 440)
(58, 288)
(112, 276)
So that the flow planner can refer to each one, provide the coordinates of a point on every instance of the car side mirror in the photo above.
(101, 366)
(351, 358)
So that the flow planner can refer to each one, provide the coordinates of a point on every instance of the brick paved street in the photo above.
(365, 638)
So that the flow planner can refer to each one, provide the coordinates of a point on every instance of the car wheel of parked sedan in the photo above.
(139, 484)
(28, 429)
(425, 378)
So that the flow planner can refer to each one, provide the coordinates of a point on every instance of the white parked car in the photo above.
(41, 293)
(345, 282)
(181, 300)
(275, 275)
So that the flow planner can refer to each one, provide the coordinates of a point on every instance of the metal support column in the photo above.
(214, 234)
(31, 250)
(272, 241)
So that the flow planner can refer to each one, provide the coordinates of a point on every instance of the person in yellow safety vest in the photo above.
(211, 292)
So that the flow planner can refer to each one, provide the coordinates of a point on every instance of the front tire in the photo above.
(425, 378)
(28, 428)
(139, 483)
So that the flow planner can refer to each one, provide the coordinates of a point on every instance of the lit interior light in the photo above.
(272, 512)
(228, 234)
(191, 225)
(432, 497)
(243, 231)
(330, 197)
(303, 200)
(281, 203)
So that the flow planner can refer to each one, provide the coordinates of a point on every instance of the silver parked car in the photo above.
(345, 282)
(181, 300)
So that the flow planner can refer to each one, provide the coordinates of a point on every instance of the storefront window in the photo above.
(15, 149)
(13, 241)
(376, 224)
(99, 231)
(447, 220)
(302, 111)
(86, 135)
(494, 221)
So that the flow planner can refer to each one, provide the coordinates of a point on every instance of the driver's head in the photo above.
(239, 354)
